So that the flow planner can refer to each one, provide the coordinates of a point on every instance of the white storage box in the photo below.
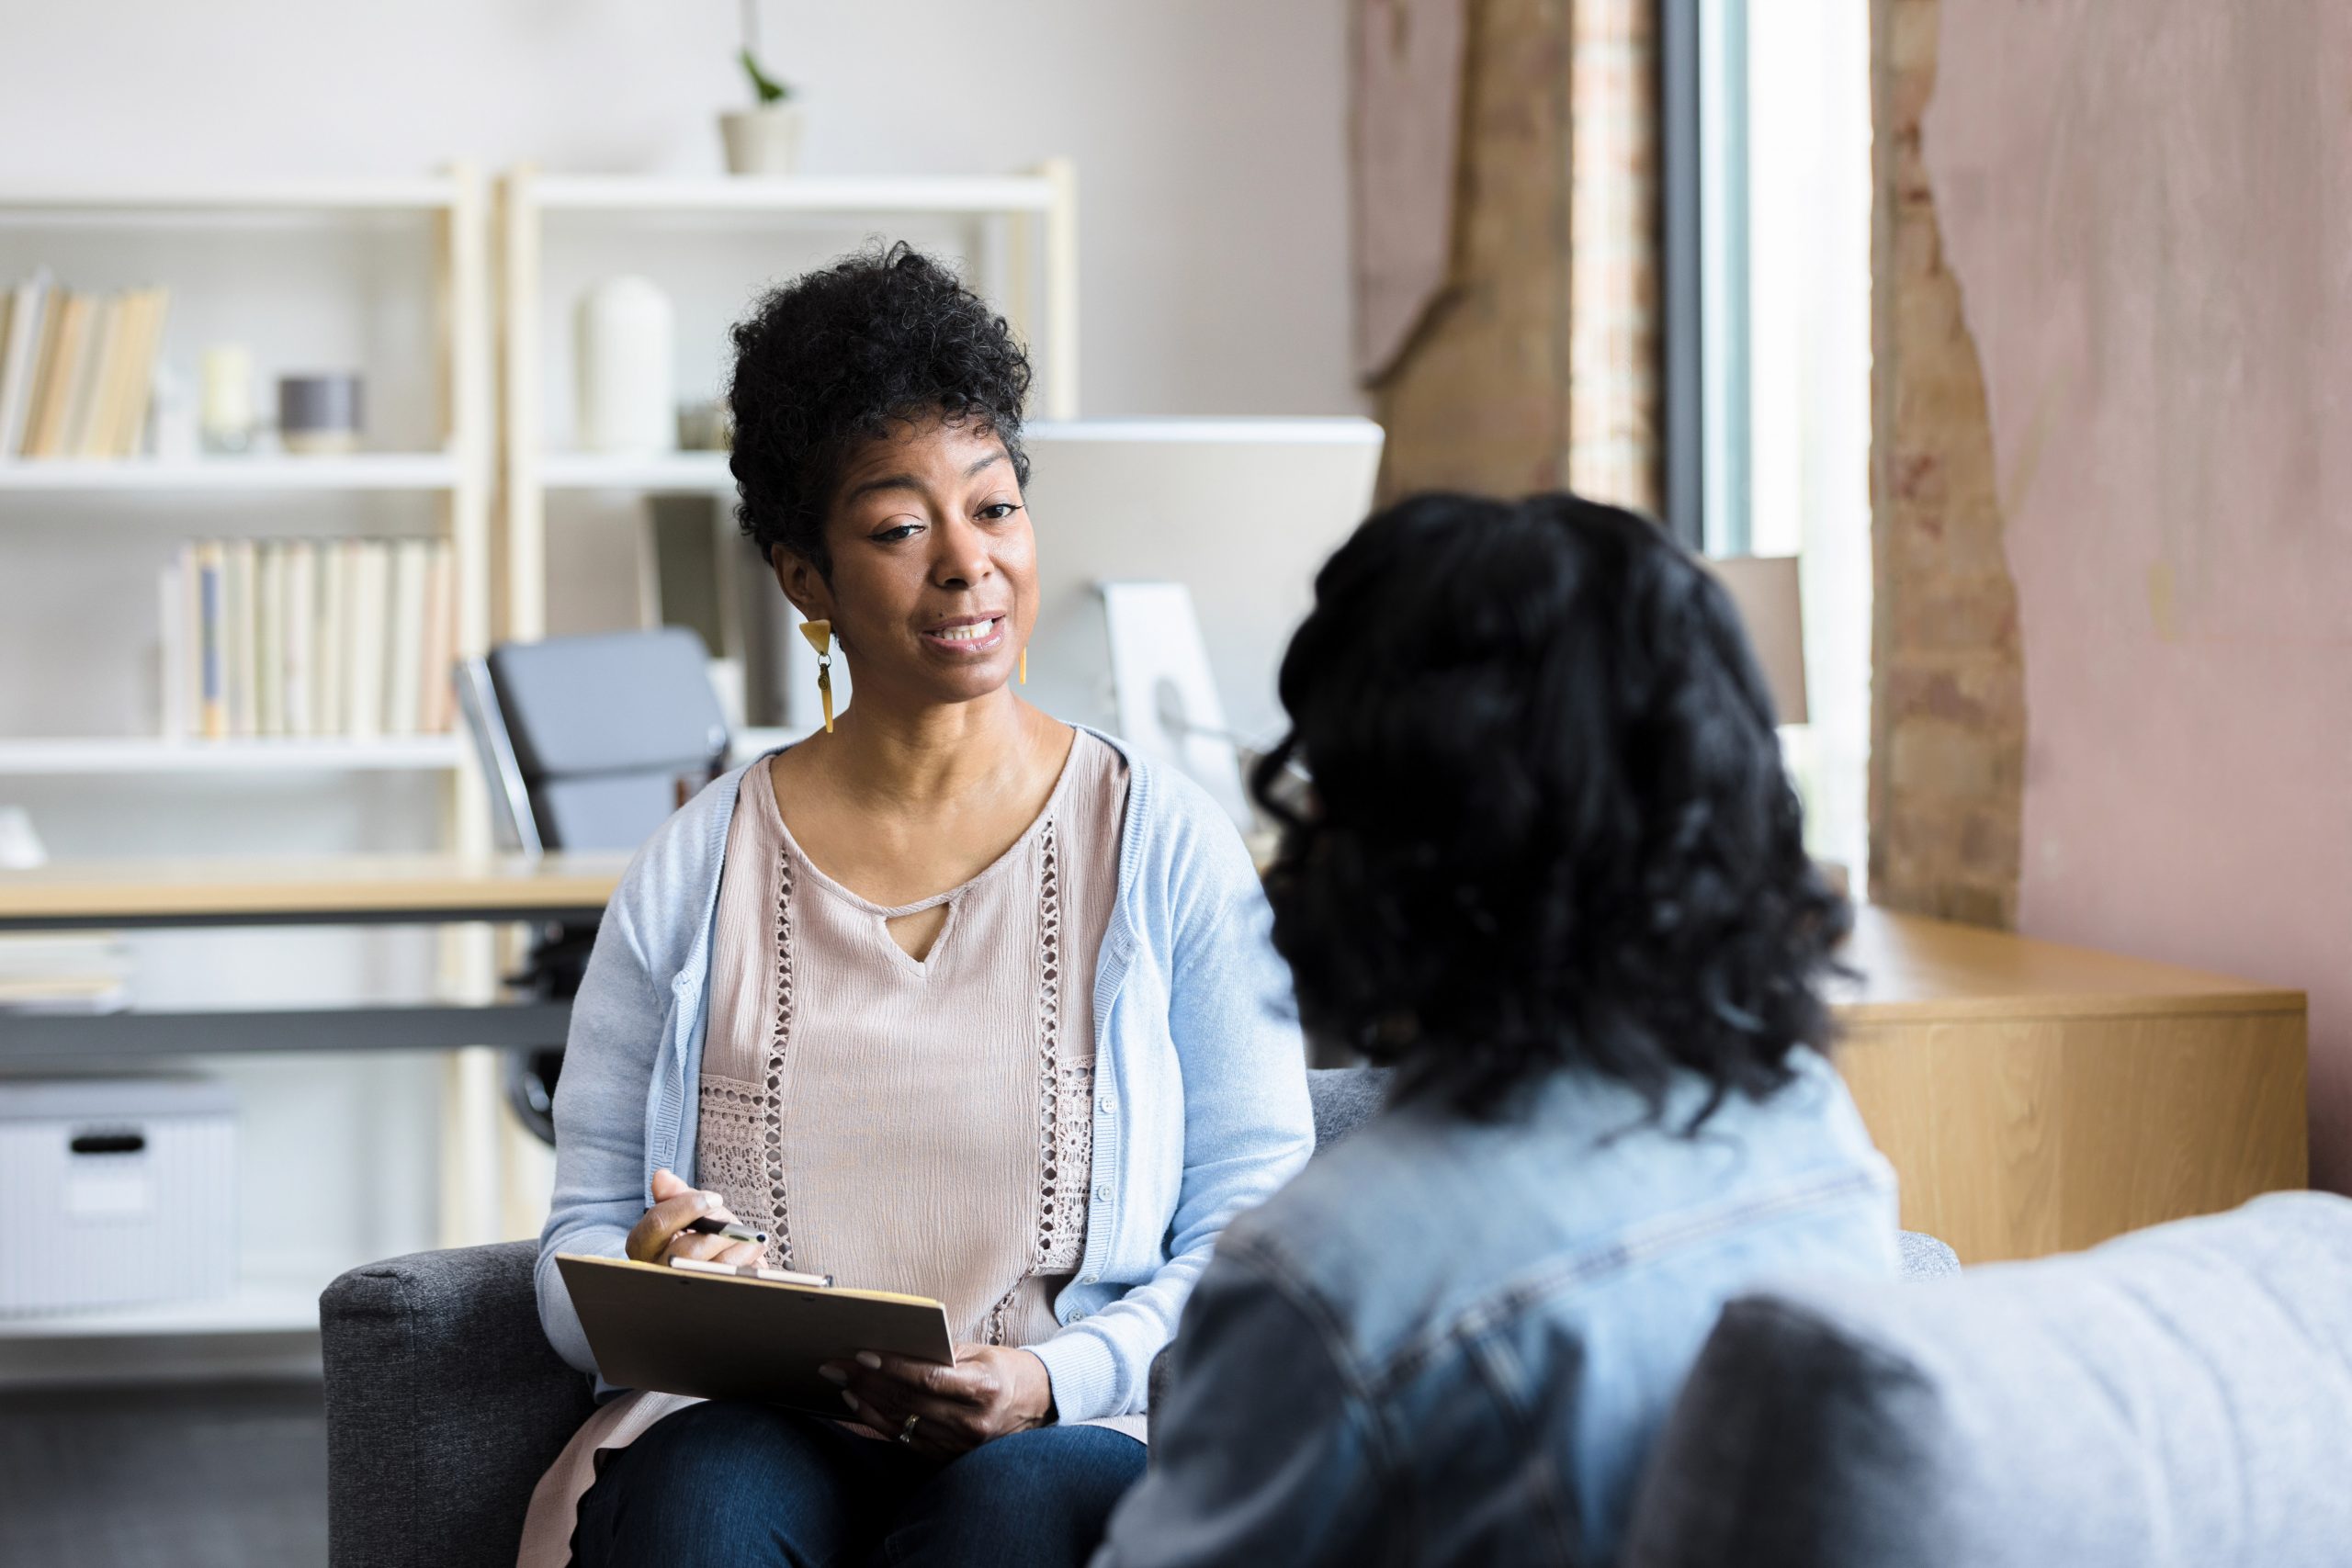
(116, 1191)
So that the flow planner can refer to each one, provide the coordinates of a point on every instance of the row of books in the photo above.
(76, 370)
(64, 973)
(350, 638)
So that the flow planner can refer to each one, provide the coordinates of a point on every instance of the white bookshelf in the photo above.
(457, 204)
(134, 754)
(200, 475)
(1038, 291)
(449, 362)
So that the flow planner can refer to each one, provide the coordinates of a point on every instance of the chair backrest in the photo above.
(588, 742)
(2179, 1396)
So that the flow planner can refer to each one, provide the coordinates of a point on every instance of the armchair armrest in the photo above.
(444, 1404)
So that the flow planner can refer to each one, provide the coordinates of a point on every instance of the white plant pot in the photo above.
(764, 141)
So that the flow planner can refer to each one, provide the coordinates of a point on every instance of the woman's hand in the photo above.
(989, 1392)
(661, 1234)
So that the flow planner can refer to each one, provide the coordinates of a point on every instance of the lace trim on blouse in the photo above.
(779, 1253)
(1051, 1224)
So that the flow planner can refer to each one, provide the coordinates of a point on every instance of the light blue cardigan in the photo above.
(1200, 1112)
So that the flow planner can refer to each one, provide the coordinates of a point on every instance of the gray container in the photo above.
(319, 415)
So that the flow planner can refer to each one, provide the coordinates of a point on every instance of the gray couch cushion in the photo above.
(1922, 1257)
(2178, 1398)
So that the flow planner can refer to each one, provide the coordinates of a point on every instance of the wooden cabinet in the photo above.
(2036, 1098)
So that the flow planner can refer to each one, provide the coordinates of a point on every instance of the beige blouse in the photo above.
(902, 1125)
(915, 1125)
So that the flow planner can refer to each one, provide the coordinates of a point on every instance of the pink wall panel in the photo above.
(2149, 209)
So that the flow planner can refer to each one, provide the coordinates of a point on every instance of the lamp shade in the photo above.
(1772, 608)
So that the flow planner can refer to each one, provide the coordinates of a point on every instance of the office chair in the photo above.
(587, 743)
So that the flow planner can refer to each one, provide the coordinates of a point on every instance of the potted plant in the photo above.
(764, 139)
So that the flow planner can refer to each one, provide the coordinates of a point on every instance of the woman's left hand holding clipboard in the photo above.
(989, 1392)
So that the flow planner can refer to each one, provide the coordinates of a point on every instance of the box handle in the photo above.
(108, 1143)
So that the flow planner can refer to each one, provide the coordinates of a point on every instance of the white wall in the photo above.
(1209, 142)
(1210, 135)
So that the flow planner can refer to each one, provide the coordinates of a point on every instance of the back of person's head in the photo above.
(1548, 826)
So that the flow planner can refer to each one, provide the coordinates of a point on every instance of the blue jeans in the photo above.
(724, 1485)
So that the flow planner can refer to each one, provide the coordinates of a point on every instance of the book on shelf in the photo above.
(20, 358)
(326, 662)
(56, 386)
(211, 641)
(299, 608)
(101, 350)
(78, 371)
(237, 617)
(344, 638)
(440, 695)
(404, 651)
(270, 638)
(125, 374)
(368, 587)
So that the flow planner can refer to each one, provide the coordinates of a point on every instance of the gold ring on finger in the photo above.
(907, 1432)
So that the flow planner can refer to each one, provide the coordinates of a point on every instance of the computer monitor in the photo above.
(1241, 512)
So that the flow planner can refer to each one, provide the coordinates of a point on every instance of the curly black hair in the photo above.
(837, 357)
(1548, 825)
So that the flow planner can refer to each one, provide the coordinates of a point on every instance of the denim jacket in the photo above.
(1453, 1341)
(1200, 1108)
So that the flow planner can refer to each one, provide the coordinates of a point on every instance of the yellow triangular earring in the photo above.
(1024, 663)
(820, 638)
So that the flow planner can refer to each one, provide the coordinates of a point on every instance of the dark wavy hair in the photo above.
(1548, 825)
(834, 359)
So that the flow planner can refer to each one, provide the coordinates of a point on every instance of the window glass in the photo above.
(1784, 235)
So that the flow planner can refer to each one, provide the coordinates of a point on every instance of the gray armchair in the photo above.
(445, 1403)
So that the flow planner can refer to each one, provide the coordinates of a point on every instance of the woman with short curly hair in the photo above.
(1547, 867)
(950, 999)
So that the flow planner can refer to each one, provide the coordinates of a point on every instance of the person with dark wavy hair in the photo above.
(950, 999)
(1545, 864)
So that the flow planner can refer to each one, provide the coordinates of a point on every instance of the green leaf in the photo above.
(770, 90)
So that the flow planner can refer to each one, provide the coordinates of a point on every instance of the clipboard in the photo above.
(722, 1336)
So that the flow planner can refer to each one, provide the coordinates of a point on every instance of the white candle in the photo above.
(626, 371)
(227, 399)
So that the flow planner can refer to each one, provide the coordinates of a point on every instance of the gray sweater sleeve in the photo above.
(1266, 1451)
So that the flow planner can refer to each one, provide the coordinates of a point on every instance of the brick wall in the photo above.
(1613, 329)
(1538, 366)
(1948, 716)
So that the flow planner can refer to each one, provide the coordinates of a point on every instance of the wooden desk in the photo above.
(436, 889)
(2036, 1098)
(307, 890)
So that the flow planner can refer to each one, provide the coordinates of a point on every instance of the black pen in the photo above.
(729, 1229)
